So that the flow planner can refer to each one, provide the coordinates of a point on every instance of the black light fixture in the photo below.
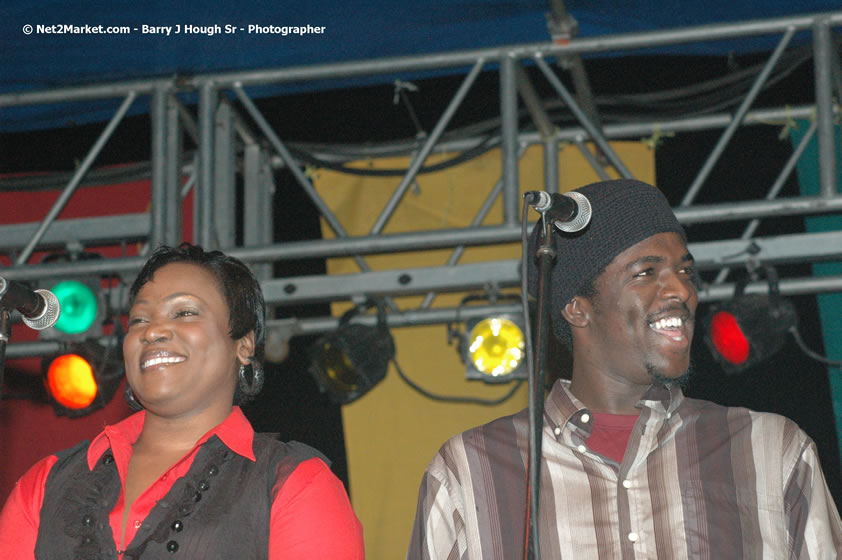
(350, 361)
(81, 299)
(84, 377)
(749, 328)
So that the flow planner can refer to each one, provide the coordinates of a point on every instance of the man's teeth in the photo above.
(668, 323)
(157, 361)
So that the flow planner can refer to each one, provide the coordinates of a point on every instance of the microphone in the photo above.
(570, 212)
(38, 308)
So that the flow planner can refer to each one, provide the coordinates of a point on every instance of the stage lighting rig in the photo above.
(749, 328)
(492, 348)
(84, 377)
(350, 361)
(81, 299)
(84, 373)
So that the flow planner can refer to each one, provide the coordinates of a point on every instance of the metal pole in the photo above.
(546, 257)
(418, 161)
(173, 181)
(203, 193)
(551, 165)
(533, 103)
(158, 207)
(224, 192)
(595, 134)
(300, 177)
(480, 216)
(703, 174)
(591, 159)
(822, 45)
(508, 135)
(563, 28)
(774, 190)
(77, 178)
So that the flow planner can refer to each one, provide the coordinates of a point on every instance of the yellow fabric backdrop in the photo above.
(392, 432)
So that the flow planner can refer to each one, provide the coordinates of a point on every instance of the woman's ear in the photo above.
(245, 348)
(577, 312)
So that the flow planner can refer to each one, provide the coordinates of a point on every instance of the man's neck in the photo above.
(602, 393)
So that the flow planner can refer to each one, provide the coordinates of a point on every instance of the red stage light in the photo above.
(70, 379)
(748, 330)
(728, 338)
(83, 378)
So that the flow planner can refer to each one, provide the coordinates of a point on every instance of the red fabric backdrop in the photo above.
(30, 430)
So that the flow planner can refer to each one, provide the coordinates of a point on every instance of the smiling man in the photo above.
(630, 467)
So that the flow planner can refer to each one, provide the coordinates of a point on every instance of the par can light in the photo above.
(494, 349)
(749, 329)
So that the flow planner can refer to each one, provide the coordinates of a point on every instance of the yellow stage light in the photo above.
(495, 349)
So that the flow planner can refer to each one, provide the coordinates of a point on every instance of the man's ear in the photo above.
(577, 312)
(245, 348)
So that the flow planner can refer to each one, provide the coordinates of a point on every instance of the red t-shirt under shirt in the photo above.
(611, 433)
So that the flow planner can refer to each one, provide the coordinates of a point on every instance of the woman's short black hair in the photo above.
(242, 291)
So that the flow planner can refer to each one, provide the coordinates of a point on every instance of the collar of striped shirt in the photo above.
(562, 406)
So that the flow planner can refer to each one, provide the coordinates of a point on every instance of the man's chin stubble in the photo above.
(658, 377)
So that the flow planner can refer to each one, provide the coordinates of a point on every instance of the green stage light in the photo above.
(79, 307)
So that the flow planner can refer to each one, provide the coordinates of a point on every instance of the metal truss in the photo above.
(236, 142)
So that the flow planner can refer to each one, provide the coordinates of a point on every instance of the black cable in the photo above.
(454, 398)
(485, 145)
(810, 353)
(709, 96)
(95, 177)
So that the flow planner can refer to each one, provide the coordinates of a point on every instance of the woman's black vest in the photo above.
(219, 509)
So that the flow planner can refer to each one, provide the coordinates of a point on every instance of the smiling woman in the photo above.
(187, 472)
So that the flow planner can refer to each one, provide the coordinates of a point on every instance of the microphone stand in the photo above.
(5, 335)
(546, 256)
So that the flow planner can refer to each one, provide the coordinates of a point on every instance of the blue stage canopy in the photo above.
(50, 44)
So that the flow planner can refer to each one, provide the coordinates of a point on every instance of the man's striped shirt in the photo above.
(698, 480)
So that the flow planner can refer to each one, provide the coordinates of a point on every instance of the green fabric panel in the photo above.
(830, 305)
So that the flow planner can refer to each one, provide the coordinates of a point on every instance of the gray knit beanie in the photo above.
(625, 212)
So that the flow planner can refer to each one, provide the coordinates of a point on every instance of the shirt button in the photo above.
(633, 537)
(557, 430)
(626, 484)
(586, 418)
(582, 448)
(137, 523)
(669, 415)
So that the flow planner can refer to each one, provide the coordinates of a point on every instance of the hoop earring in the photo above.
(134, 404)
(250, 387)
